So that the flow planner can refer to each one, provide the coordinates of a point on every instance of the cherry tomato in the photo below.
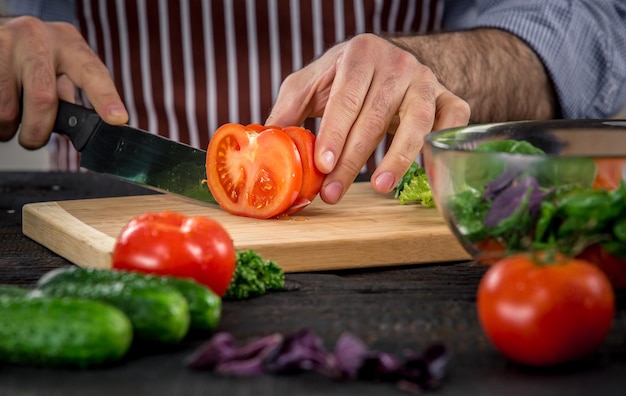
(609, 173)
(491, 250)
(262, 171)
(169, 243)
(545, 313)
(312, 178)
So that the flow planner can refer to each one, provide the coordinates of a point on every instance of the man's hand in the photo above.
(40, 63)
(362, 89)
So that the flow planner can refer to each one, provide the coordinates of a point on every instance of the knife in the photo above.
(133, 154)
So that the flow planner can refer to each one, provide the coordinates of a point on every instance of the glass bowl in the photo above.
(534, 185)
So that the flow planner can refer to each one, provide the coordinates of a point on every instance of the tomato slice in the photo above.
(253, 173)
(258, 127)
(312, 178)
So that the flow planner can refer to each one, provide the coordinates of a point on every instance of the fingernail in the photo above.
(328, 160)
(117, 111)
(385, 182)
(332, 192)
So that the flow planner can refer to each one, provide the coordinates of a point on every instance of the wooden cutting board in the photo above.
(365, 229)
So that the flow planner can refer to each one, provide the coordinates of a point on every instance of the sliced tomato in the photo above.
(312, 178)
(253, 173)
(258, 127)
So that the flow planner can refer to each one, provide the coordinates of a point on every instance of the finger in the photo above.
(35, 72)
(349, 91)
(364, 135)
(452, 111)
(304, 93)
(390, 87)
(405, 100)
(393, 125)
(417, 117)
(9, 103)
(9, 87)
(292, 103)
(83, 67)
(66, 89)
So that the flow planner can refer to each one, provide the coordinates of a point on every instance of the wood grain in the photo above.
(365, 229)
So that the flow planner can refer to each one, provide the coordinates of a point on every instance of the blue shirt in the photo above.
(582, 43)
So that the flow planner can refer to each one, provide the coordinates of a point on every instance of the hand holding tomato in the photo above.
(363, 88)
(545, 313)
(170, 243)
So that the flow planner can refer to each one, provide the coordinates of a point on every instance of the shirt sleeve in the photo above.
(582, 44)
(58, 10)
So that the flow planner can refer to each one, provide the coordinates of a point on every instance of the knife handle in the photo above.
(77, 122)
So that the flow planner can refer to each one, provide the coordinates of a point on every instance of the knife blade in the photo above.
(133, 154)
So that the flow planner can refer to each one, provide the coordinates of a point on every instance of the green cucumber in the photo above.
(158, 313)
(14, 291)
(205, 307)
(51, 331)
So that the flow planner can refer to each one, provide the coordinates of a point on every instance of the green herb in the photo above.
(254, 276)
(482, 168)
(414, 187)
(470, 209)
(509, 146)
(549, 204)
(561, 172)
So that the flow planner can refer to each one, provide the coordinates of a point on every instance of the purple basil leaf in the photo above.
(350, 352)
(534, 202)
(504, 180)
(243, 367)
(380, 366)
(436, 356)
(302, 350)
(221, 354)
(425, 369)
(219, 348)
(508, 200)
(260, 347)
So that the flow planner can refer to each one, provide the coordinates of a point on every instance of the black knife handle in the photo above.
(77, 122)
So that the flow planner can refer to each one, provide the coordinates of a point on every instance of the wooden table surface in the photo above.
(390, 309)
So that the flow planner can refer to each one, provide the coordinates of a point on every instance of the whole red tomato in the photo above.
(545, 313)
(262, 171)
(170, 243)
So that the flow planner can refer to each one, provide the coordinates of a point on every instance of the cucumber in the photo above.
(51, 331)
(158, 313)
(14, 291)
(205, 307)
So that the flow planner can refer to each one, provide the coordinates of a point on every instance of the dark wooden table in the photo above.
(390, 309)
